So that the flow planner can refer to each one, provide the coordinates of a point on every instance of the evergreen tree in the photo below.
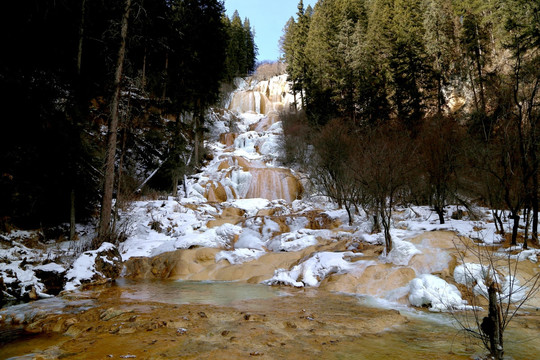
(250, 47)
(440, 44)
(241, 48)
(408, 62)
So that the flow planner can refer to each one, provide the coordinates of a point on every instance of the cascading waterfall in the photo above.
(243, 170)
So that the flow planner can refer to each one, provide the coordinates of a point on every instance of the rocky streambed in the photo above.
(148, 320)
(115, 322)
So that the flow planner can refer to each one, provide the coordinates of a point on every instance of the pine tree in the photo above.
(440, 44)
(250, 48)
(108, 186)
(408, 62)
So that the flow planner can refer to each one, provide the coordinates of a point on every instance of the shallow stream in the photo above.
(237, 320)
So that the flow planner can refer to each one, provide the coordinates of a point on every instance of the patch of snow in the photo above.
(269, 228)
(315, 269)
(292, 241)
(51, 267)
(84, 267)
(476, 276)
(249, 239)
(239, 256)
(402, 252)
(251, 206)
(432, 291)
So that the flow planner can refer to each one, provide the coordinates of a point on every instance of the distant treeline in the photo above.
(454, 83)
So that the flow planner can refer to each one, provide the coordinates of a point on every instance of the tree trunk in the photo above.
(143, 75)
(119, 181)
(106, 203)
(198, 135)
(349, 214)
(386, 220)
(496, 335)
(294, 96)
(387, 239)
(498, 221)
(534, 194)
(376, 225)
(515, 227)
(164, 94)
(176, 154)
(478, 58)
(440, 212)
(527, 221)
(534, 231)
(1, 291)
(72, 214)
(72, 219)
(81, 37)
(175, 185)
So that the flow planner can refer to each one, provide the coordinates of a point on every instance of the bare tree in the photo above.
(106, 203)
(386, 163)
(332, 169)
(439, 148)
(494, 276)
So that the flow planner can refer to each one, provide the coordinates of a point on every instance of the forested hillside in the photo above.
(144, 72)
(414, 101)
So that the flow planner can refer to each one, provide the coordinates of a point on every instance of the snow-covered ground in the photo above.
(222, 209)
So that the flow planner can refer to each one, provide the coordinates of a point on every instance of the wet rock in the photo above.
(95, 267)
(110, 314)
(53, 280)
(227, 139)
(126, 331)
(109, 262)
(71, 322)
(290, 325)
(215, 192)
(2, 287)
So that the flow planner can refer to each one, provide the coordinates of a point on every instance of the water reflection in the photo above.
(195, 292)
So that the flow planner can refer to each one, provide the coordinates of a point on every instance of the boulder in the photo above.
(95, 267)
(109, 262)
(53, 278)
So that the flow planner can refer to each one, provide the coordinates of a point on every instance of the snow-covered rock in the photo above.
(435, 293)
(478, 277)
(249, 239)
(95, 266)
(402, 252)
(239, 256)
(312, 271)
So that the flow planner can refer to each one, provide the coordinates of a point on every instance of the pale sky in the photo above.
(267, 18)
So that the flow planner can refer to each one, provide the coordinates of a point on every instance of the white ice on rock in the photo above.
(402, 252)
(478, 276)
(239, 256)
(292, 241)
(435, 293)
(251, 206)
(84, 267)
(313, 270)
(249, 239)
